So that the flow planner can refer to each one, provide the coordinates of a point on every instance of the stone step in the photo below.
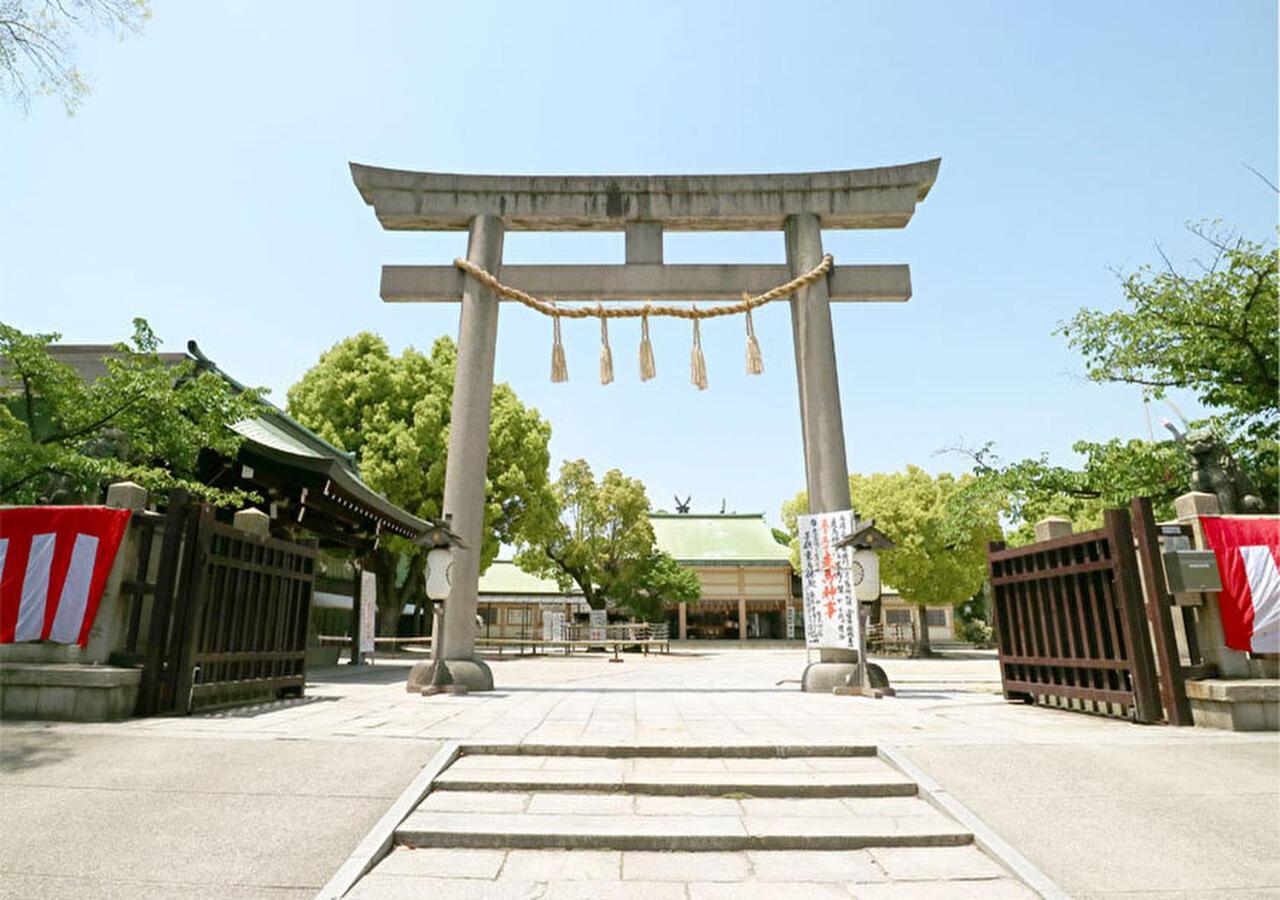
(686, 751)
(535, 820)
(818, 776)
(479, 874)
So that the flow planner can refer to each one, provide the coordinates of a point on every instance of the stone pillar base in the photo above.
(826, 676)
(473, 674)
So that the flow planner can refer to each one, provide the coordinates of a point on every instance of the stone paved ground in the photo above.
(1101, 806)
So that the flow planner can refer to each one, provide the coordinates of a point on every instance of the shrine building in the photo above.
(745, 573)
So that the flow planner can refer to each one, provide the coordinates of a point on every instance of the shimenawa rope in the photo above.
(697, 363)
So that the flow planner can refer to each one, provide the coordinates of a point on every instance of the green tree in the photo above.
(1113, 473)
(940, 530)
(656, 581)
(603, 543)
(37, 44)
(62, 438)
(393, 413)
(1213, 332)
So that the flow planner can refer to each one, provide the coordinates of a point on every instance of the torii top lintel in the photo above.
(883, 197)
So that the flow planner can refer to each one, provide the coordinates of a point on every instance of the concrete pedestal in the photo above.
(473, 674)
(1236, 705)
(68, 692)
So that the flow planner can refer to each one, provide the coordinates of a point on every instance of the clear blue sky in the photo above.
(205, 186)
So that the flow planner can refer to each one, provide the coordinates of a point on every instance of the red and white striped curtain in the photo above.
(1248, 551)
(54, 563)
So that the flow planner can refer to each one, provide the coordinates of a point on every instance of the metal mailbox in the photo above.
(1191, 571)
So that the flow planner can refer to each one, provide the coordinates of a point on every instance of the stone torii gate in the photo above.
(643, 207)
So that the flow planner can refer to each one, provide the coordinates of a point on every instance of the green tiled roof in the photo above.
(718, 538)
(504, 577)
(263, 431)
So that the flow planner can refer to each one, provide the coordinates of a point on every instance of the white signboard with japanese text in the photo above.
(791, 622)
(830, 606)
(368, 610)
(552, 625)
(597, 630)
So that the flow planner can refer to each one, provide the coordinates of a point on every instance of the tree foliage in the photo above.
(1113, 473)
(939, 525)
(37, 46)
(62, 439)
(656, 581)
(603, 543)
(1213, 332)
(393, 413)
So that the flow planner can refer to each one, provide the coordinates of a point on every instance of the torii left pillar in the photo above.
(464, 480)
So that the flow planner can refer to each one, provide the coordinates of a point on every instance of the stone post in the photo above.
(682, 630)
(742, 618)
(111, 626)
(464, 484)
(254, 521)
(1052, 527)
(1213, 644)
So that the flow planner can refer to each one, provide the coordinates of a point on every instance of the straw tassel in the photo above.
(755, 360)
(606, 352)
(697, 363)
(647, 368)
(559, 370)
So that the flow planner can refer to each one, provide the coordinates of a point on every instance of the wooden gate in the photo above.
(1070, 622)
(228, 617)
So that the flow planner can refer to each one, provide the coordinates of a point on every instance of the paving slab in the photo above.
(440, 862)
(562, 865)
(476, 801)
(935, 863)
(585, 804)
(819, 865)
(397, 887)
(641, 865)
(1001, 889)
(614, 890)
(774, 891)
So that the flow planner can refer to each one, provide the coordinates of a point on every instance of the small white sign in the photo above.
(830, 604)
(791, 622)
(368, 610)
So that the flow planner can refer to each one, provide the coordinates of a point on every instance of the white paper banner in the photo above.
(830, 607)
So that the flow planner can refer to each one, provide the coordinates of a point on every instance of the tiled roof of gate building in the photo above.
(718, 539)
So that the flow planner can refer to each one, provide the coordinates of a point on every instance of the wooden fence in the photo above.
(225, 612)
(1070, 621)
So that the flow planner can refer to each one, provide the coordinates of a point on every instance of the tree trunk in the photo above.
(390, 603)
(922, 649)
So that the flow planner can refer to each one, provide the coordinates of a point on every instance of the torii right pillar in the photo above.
(826, 466)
